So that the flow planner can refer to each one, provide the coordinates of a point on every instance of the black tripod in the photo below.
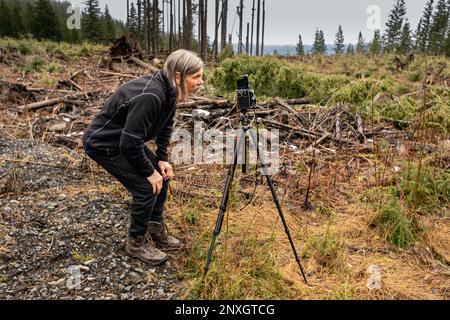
(223, 205)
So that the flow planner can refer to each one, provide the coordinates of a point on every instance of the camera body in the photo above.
(246, 98)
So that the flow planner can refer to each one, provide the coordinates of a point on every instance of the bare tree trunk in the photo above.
(216, 30)
(179, 25)
(149, 23)
(184, 25)
(202, 31)
(163, 38)
(247, 39)
(241, 9)
(155, 27)
(171, 27)
(139, 16)
(128, 18)
(205, 31)
(257, 27)
(145, 26)
(223, 38)
(263, 27)
(189, 25)
(201, 8)
(253, 23)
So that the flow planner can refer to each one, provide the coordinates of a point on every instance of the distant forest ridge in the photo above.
(158, 26)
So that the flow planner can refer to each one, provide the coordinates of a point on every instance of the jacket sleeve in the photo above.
(132, 140)
(163, 139)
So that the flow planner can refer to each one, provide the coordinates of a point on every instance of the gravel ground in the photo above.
(56, 244)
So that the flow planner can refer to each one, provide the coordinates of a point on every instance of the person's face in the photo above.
(193, 82)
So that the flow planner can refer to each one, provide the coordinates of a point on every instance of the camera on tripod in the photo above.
(246, 98)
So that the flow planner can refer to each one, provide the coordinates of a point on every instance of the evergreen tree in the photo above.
(17, 23)
(439, 28)
(45, 23)
(350, 49)
(133, 22)
(447, 46)
(299, 48)
(109, 28)
(423, 29)
(319, 46)
(91, 25)
(29, 16)
(406, 42)
(361, 45)
(392, 36)
(375, 47)
(5, 20)
(339, 43)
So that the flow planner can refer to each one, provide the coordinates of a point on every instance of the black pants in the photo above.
(145, 206)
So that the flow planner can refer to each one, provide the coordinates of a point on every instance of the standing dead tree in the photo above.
(223, 37)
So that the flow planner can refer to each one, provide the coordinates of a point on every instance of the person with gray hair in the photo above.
(139, 111)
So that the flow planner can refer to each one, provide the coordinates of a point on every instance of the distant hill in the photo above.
(288, 49)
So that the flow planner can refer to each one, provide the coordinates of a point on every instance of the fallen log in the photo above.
(205, 102)
(228, 104)
(311, 135)
(118, 74)
(142, 64)
(47, 103)
(292, 102)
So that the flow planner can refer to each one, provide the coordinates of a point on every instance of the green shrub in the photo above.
(34, 64)
(426, 189)
(226, 53)
(54, 67)
(24, 48)
(270, 76)
(327, 250)
(415, 76)
(404, 109)
(393, 225)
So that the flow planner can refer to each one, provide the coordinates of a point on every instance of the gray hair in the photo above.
(186, 63)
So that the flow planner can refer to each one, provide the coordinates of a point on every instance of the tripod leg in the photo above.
(223, 205)
(277, 203)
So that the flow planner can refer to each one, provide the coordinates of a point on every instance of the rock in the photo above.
(7, 209)
(139, 270)
(52, 206)
(87, 289)
(160, 291)
(135, 277)
(124, 296)
(88, 262)
(128, 288)
(57, 282)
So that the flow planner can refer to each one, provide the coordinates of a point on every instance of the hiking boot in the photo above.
(157, 232)
(144, 251)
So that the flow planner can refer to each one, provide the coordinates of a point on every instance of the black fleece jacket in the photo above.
(137, 112)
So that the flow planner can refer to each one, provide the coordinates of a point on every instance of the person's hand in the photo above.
(166, 170)
(156, 180)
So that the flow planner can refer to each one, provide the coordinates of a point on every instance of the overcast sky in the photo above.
(286, 19)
